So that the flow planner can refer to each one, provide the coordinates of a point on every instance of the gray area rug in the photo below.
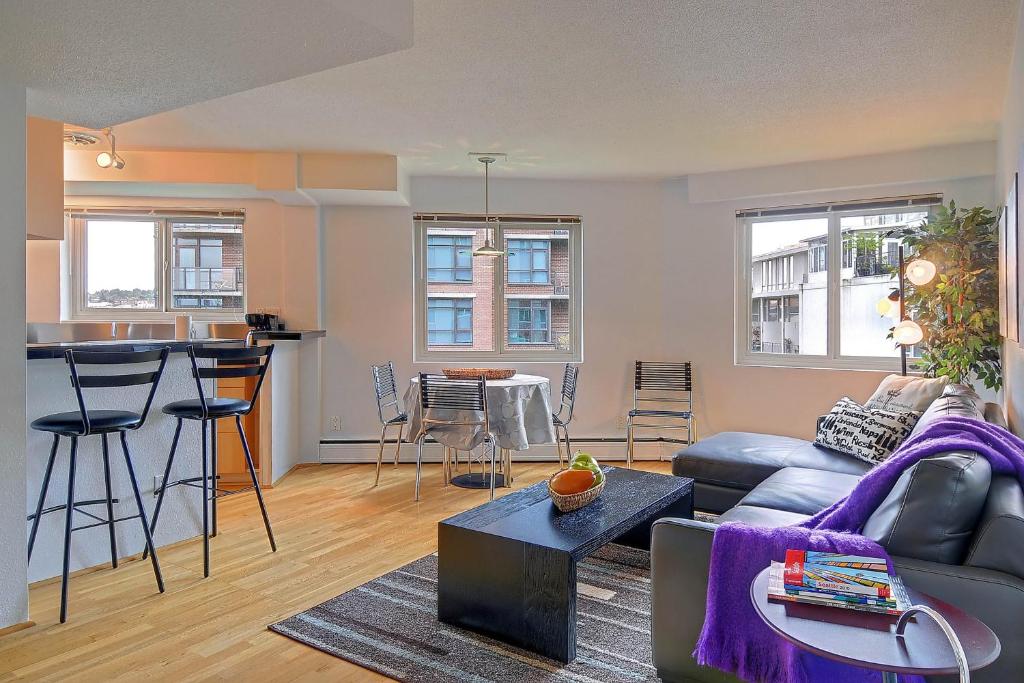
(390, 625)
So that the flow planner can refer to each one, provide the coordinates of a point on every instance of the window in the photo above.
(529, 321)
(528, 261)
(819, 309)
(449, 321)
(522, 305)
(449, 258)
(147, 265)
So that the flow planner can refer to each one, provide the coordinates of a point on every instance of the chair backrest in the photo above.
(230, 362)
(440, 393)
(569, 390)
(662, 382)
(385, 389)
(76, 359)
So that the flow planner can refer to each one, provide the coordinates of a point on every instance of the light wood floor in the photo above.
(333, 531)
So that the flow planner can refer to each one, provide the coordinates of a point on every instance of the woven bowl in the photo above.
(473, 373)
(574, 501)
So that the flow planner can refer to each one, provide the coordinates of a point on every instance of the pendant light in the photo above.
(488, 250)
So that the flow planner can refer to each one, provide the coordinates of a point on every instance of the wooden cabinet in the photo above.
(44, 175)
(230, 456)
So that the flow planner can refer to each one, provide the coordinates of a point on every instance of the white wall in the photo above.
(658, 284)
(13, 571)
(1011, 153)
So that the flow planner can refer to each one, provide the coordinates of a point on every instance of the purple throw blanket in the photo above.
(735, 639)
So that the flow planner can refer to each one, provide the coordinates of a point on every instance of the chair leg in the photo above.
(206, 503)
(629, 444)
(398, 442)
(68, 513)
(419, 465)
(110, 504)
(508, 468)
(142, 513)
(568, 443)
(380, 453)
(256, 483)
(213, 477)
(494, 448)
(42, 496)
(558, 447)
(163, 487)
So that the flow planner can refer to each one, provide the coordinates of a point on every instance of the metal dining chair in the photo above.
(87, 422)
(568, 401)
(387, 403)
(447, 403)
(669, 387)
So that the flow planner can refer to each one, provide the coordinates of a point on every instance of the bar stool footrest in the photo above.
(62, 506)
(103, 522)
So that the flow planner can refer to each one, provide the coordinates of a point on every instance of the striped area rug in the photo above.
(390, 625)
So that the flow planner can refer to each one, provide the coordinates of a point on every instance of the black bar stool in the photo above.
(229, 361)
(86, 423)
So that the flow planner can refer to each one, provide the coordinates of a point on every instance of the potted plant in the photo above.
(959, 309)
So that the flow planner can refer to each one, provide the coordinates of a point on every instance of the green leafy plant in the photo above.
(959, 308)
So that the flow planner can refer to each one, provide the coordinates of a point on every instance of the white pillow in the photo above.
(868, 434)
(906, 394)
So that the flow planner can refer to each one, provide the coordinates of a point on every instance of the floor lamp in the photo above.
(906, 333)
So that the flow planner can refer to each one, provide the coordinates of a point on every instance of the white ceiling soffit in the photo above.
(102, 62)
(647, 88)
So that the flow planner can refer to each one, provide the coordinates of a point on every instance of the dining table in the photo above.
(519, 416)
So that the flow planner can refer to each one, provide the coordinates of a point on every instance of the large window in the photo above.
(128, 265)
(810, 279)
(524, 304)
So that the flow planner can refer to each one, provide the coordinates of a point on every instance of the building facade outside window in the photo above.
(802, 305)
(140, 264)
(525, 304)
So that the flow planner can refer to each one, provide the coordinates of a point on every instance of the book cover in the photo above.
(843, 574)
(778, 591)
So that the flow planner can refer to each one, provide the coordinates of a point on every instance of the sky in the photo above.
(771, 235)
(121, 255)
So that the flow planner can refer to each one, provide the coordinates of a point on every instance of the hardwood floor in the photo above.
(334, 532)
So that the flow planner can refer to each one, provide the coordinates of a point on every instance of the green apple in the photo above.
(585, 461)
(586, 458)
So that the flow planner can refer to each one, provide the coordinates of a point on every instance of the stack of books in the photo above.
(836, 580)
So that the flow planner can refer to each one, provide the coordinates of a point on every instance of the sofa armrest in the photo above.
(994, 597)
(680, 556)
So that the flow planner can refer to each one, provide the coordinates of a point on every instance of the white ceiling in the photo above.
(605, 88)
(102, 62)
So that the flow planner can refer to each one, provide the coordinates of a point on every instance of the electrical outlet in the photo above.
(335, 423)
(158, 481)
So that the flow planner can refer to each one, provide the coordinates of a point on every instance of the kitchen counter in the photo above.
(37, 351)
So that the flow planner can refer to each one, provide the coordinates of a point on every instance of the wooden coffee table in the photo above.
(507, 569)
(871, 641)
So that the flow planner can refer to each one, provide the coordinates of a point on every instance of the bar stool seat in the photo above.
(100, 421)
(192, 409)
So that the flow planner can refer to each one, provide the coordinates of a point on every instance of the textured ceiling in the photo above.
(100, 62)
(604, 88)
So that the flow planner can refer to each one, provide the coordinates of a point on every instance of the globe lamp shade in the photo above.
(907, 333)
(920, 271)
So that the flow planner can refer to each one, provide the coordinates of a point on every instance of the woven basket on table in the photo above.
(574, 501)
(473, 373)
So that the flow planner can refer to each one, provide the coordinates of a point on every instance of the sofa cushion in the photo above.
(870, 434)
(957, 400)
(931, 512)
(906, 394)
(743, 460)
(801, 490)
(756, 516)
(997, 539)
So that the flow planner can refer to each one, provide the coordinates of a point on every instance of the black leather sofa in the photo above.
(954, 530)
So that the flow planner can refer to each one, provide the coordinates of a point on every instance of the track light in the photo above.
(110, 159)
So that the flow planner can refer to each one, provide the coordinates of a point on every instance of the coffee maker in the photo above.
(264, 322)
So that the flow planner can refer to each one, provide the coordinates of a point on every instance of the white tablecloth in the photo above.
(519, 410)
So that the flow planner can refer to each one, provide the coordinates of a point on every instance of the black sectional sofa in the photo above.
(955, 530)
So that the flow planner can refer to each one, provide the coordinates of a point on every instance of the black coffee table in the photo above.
(507, 569)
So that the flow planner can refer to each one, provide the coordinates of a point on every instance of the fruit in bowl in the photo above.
(579, 485)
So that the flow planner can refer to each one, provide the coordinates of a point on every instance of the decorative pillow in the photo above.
(906, 394)
(864, 433)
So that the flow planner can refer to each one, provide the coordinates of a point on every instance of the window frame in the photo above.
(77, 271)
(502, 352)
(533, 266)
(743, 310)
(453, 247)
(455, 301)
(533, 328)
